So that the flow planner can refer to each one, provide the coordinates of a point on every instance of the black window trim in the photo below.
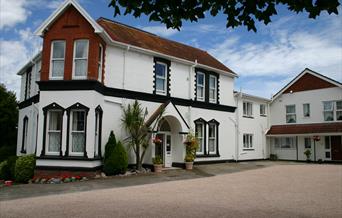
(99, 115)
(27, 82)
(46, 109)
(25, 126)
(76, 106)
(205, 149)
(168, 72)
(207, 75)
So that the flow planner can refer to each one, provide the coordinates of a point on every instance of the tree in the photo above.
(238, 12)
(8, 122)
(140, 133)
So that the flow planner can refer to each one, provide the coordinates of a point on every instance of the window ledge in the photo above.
(207, 155)
(248, 149)
(250, 117)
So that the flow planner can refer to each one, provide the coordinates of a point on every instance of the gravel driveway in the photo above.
(303, 190)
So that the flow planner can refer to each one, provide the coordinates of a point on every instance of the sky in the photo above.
(265, 61)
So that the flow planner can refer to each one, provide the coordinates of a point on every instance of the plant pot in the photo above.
(158, 168)
(189, 165)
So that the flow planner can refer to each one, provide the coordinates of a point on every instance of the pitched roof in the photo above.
(294, 129)
(136, 37)
(308, 80)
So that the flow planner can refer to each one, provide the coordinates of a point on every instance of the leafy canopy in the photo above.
(238, 12)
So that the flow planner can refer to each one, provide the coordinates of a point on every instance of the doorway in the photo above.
(336, 147)
(164, 149)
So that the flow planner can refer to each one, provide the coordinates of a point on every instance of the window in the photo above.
(57, 60)
(290, 113)
(262, 110)
(200, 134)
(98, 131)
(307, 142)
(327, 154)
(247, 109)
(54, 131)
(25, 134)
(284, 142)
(78, 132)
(306, 110)
(247, 141)
(200, 84)
(80, 66)
(338, 110)
(327, 142)
(328, 110)
(99, 63)
(161, 78)
(28, 83)
(212, 89)
(212, 138)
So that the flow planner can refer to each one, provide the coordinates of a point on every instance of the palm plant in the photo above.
(139, 132)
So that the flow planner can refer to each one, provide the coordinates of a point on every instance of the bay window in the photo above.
(78, 132)
(212, 89)
(54, 131)
(57, 59)
(290, 113)
(80, 66)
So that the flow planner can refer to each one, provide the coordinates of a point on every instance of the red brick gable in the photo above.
(70, 26)
(308, 82)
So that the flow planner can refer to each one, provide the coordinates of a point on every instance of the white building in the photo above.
(73, 92)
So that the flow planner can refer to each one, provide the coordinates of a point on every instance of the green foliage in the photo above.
(238, 12)
(24, 168)
(157, 160)
(7, 151)
(117, 162)
(8, 122)
(273, 157)
(7, 168)
(110, 145)
(133, 121)
(191, 146)
(307, 153)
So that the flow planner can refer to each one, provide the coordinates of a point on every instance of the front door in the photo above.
(336, 148)
(164, 150)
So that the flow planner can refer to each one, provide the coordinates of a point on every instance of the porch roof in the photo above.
(294, 129)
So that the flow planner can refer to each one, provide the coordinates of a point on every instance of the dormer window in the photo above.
(57, 59)
(80, 67)
(200, 82)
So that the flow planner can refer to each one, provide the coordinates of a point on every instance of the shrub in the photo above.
(307, 153)
(7, 168)
(6, 152)
(24, 168)
(110, 146)
(157, 160)
(117, 162)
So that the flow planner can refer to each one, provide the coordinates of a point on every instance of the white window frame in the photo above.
(203, 137)
(213, 100)
(284, 142)
(158, 91)
(100, 63)
(249, 108)
(337, 110)
(247, 141)
(291, 114)
(51, 77)
(83, 58)
(264, 112)
(75, 131)
(331, 110)
(200, 98)
(304, 115)
(214, 138)
(307, 143)
(52, 131)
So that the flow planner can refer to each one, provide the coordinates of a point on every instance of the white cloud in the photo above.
(12, 13)
(14, 54)
(285, 53)
(160, 30)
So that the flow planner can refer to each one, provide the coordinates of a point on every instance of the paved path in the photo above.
(276, 191)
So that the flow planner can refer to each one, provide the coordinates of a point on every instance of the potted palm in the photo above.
(307, 153)
(191, 146)
(157, 164)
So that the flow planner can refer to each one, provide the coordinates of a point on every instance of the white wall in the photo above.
(314, 97)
